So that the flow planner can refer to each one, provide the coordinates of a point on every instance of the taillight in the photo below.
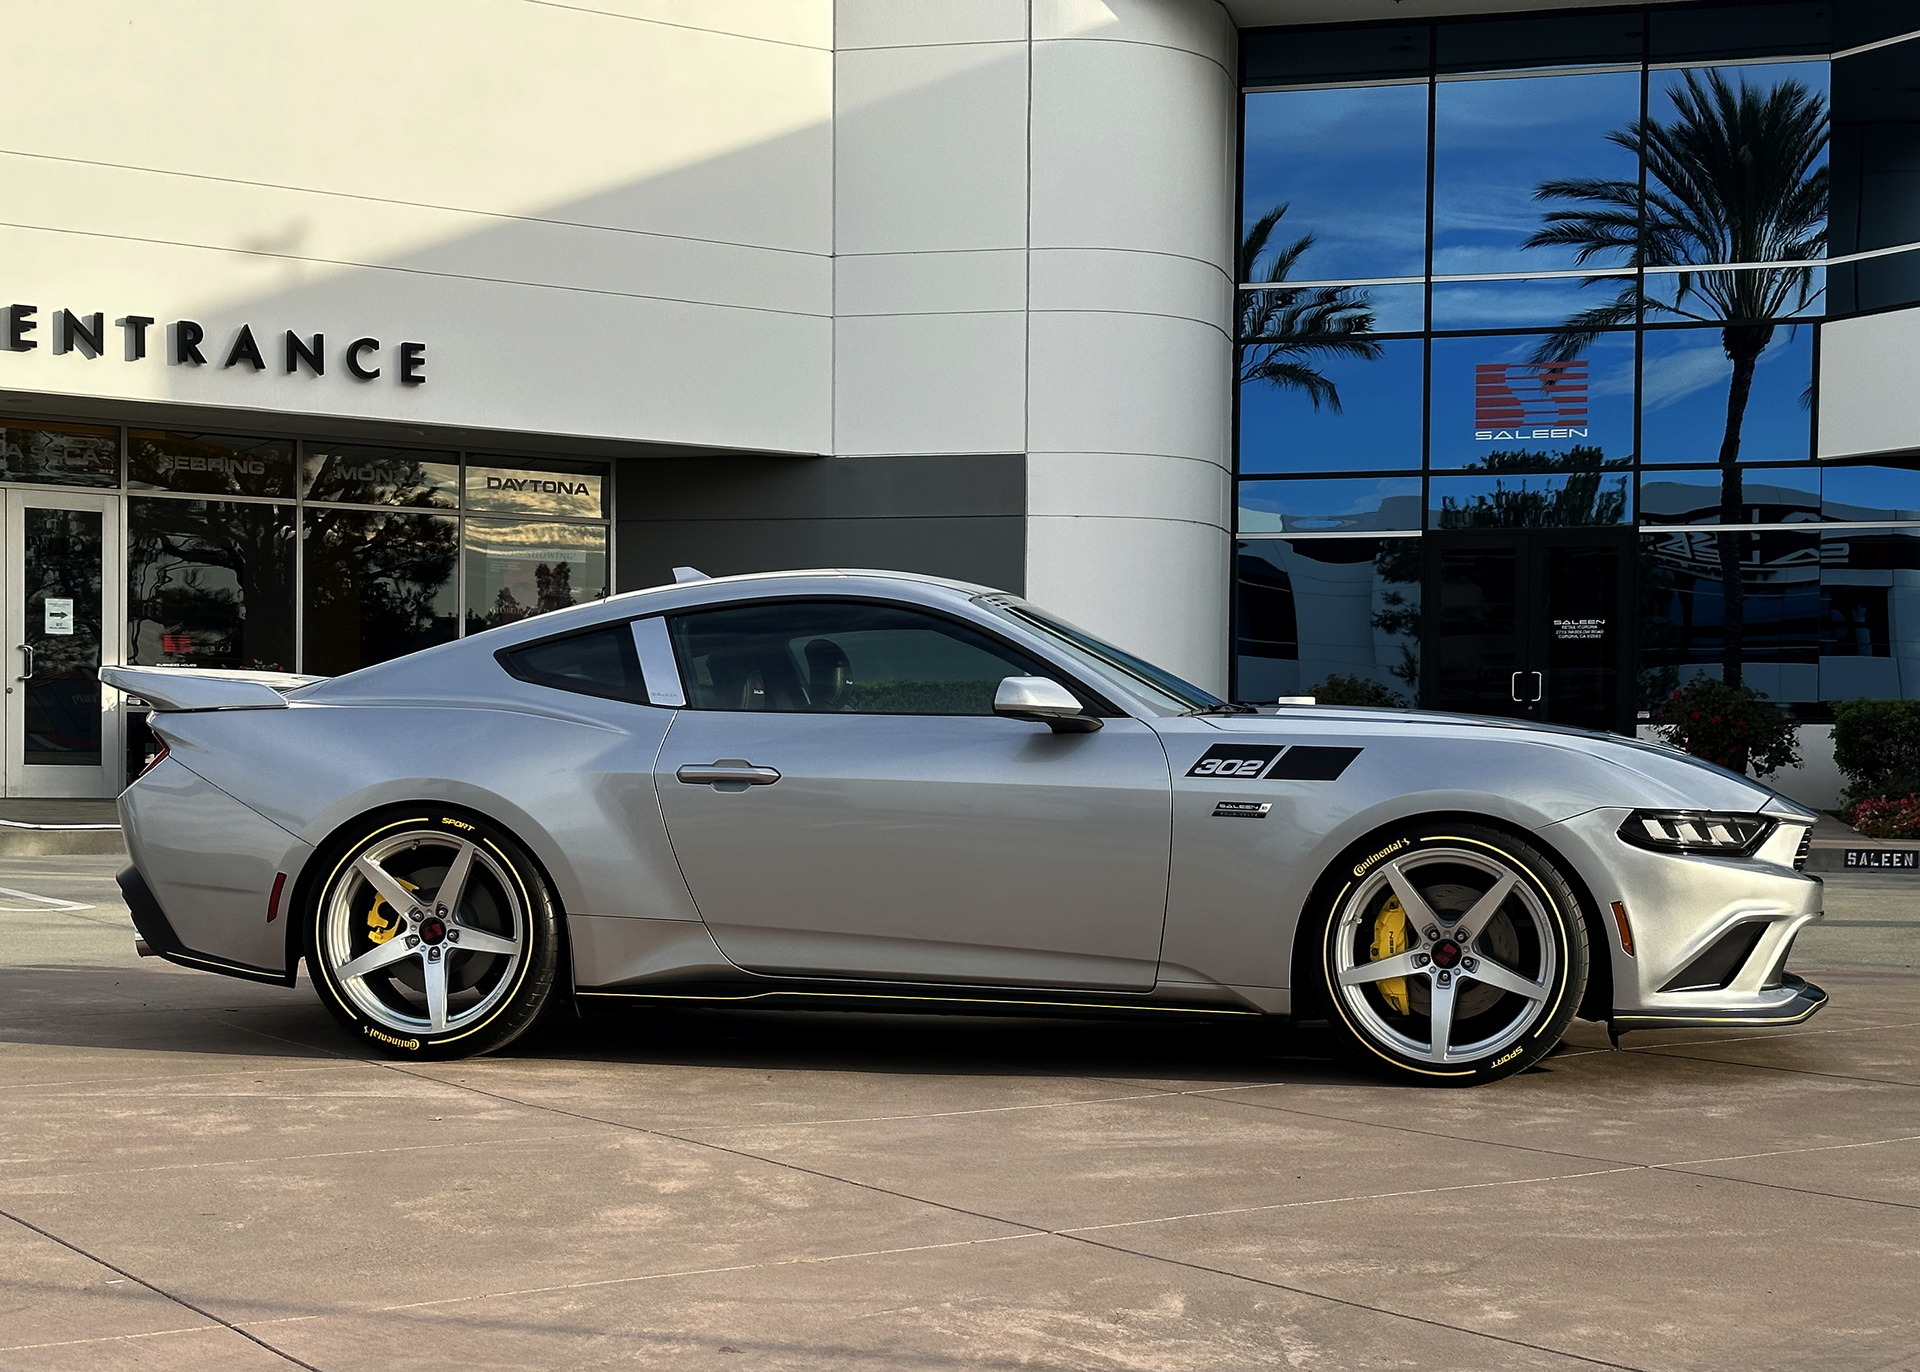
(153, 761)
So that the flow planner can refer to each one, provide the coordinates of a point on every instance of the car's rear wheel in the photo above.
(1451, 953)
(431, 934)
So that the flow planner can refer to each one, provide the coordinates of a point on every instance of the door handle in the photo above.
(1539, 686)
(1513, 686)
(27, 675)
(728, 772)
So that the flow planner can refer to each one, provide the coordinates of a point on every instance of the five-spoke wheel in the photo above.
(433, 935)
(1453, 953)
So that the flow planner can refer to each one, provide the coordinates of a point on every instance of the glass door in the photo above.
(60, 578)
(1529, 624)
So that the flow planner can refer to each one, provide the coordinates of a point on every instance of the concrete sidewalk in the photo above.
(205, 1174)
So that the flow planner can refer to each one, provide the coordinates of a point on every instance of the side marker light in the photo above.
(1619, 918)
(273, 901)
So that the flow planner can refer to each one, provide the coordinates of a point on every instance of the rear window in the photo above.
(600, 662)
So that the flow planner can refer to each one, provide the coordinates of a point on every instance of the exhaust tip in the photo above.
(142, 947)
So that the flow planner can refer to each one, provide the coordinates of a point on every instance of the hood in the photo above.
(1665, 776)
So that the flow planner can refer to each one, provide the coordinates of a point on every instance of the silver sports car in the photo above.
(865, 789)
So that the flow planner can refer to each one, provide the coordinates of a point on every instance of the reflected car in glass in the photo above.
(889, 792)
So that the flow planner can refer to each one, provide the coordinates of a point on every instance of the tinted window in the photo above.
(601, 662)
(210, 584)
(840, 658)
(216, 464)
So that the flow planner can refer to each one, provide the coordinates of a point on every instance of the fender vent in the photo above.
(1715, 969)
(1806, 846)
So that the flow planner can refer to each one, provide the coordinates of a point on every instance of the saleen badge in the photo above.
(1242, 809)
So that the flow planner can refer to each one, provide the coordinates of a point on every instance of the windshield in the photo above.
(1156, 684)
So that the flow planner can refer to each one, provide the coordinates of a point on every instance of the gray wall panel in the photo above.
(954, 516)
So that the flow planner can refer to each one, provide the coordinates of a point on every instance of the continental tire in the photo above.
(1450, 954)
(431, 934)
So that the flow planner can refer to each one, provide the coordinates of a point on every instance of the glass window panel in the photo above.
(1728, 31)
(1858, 495)
(1350, 506)
(1778, 616)
(1497, 407)
(377, 585)
(1313, 312)
(62, 587)
(1312, 608)
(537, 486)
(210, 584)
(1721, 190)
(1767, 293)
(1350, 166)
(210, 464)
(359, 475)
(1376, 426)
(1540, 501)
(1870, 21)
(1683, 397)
(1870, 583)
(1568, 41)
(1289, 56)
(1532, 303)
(1763, 495)
(838, 657)
(1876, 175)
(60, 454)
(601, 662)
(516, 570)
(1497, 142)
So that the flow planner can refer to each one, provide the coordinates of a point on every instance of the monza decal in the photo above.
(1238, 761)
(1242, 809)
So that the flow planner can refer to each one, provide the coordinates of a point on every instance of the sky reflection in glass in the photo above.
(1352, 164)
(1377, 427)
(1683, 400)
(1480, 384)
(1495, 141)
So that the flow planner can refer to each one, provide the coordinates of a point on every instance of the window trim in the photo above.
(1097, 703)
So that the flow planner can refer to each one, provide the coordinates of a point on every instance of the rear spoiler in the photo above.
(204, 688)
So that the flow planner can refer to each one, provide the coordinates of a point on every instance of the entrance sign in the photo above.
(59, 616)
(292, 352)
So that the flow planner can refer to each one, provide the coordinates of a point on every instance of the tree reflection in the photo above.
(377, 586)
(211, 583)
(1736, 174)
(1284, 332)
(1588, 494)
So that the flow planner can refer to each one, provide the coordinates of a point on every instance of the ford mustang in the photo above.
(863, 789)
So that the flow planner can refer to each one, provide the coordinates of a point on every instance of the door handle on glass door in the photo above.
(1539, 687)
(1513, 686)
(28, 650)
(728, 772)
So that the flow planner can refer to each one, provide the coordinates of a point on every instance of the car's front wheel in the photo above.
(431, 935)
(1451, 953)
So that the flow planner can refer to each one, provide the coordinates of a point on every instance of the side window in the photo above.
(841, 657)
(599, 662)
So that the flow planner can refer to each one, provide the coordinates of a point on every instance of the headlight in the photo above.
(1696, 831)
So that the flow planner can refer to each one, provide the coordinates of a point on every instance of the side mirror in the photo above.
(1043, 701)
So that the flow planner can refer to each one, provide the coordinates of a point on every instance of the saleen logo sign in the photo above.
(1524, 400)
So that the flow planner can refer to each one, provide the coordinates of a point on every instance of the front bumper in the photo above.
(1710, 935)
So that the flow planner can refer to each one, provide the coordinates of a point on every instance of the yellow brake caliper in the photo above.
(1390, 940)
(381, 927)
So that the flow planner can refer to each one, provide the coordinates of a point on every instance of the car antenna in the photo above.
(682, 575)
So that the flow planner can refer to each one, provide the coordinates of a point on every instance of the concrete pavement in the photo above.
(202, 1173)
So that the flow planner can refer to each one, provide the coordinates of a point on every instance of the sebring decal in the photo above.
(1241, 809)
(1257, 761)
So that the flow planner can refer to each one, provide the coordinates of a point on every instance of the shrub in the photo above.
(1876, 745)
(1342, 689)
(1887, 816)
(1731, 725)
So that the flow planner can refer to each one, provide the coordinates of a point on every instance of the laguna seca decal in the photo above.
(1273, 761)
